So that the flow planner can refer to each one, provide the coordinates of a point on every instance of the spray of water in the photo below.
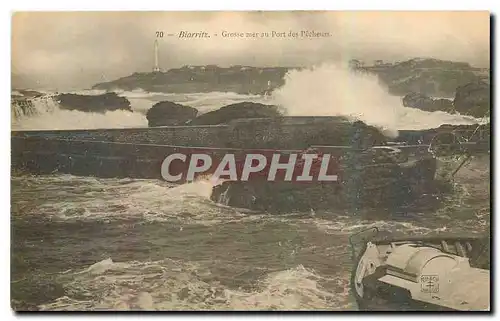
(45, 113)
(335, 90)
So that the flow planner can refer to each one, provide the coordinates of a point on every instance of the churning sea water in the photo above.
(82, 243)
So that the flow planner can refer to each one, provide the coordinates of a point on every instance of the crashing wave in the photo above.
(25, 106)
(43, 111)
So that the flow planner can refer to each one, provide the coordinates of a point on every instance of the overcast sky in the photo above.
(78, 49)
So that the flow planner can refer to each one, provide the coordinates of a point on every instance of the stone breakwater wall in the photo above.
(272, 134)
(139, 152)
(182, 135)
(246, 135)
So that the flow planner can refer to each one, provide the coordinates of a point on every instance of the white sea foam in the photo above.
(44, 113)
(335, 90)
(106, 200)
(170, 285)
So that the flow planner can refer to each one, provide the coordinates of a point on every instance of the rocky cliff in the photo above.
(191, 79)
(432, 77)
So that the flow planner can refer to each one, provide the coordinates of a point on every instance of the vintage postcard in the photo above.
(234, 161)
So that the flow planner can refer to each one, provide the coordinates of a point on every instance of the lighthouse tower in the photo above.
(156, 68)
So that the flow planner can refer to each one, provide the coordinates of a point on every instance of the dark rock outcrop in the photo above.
(93, 103)
(473, 99)
(364, 183)
(423, 102)
(167, 113)
(198, 79)
(433, 77)
(237, 111)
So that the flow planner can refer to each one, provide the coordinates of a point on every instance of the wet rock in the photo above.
(370, 179)
(93, 103)
(473, 99)
(237, 111)
(167, 113)
(423, 102)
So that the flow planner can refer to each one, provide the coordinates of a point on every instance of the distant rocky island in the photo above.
(202, 79)
(431, 77)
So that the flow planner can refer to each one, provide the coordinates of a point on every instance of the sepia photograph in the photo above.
(250, 161)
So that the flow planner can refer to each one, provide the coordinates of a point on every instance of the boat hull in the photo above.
(422, 274)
